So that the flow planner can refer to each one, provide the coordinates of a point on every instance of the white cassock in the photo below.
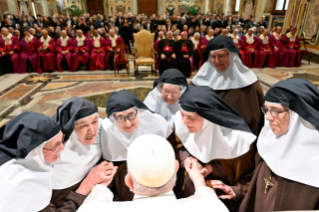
(101, 199)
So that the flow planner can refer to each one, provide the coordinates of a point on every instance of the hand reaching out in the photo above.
(229, 192)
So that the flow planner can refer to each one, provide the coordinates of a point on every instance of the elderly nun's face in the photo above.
(127, 120)
(192, 121)
(220, 59)
(170, 93)
(87, 129)
(278, 117)
(52, 148)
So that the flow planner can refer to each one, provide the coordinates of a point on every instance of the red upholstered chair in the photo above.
(121, 58)
(305, 52)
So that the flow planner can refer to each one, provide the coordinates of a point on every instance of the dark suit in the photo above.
(118, 22)
(216, 24)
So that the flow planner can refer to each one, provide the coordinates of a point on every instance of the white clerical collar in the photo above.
(169, 195)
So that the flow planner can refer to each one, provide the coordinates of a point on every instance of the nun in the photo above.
(128, 118)
(287, 162)
(209, 129)
(237, 85)
(163, 99)
(79, 121)
(29, 143)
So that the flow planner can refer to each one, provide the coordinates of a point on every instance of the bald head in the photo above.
(183, 36)
(278, 30)
(224, 32)
(4, 31)
(210, 32)
(112, 32)
(63, 33)
(44, 33)
(250, 31)
(79, 33)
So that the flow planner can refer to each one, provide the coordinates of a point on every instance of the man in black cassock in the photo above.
(166, 51)
(184, 51)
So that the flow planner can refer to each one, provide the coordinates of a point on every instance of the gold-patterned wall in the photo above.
(180, 6)
(124, 6)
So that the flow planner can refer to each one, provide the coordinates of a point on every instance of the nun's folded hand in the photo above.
(229, 192)
(98, 174)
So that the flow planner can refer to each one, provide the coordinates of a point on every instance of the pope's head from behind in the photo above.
(151, 166)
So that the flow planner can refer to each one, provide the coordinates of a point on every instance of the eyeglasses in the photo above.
(122, 119)
(220, 57)
(173, 93)
(55, 149)
(273, 113)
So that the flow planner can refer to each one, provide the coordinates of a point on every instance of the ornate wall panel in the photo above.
(124, 6)
(180, 6)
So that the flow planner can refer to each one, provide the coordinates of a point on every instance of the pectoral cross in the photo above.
(268, 184)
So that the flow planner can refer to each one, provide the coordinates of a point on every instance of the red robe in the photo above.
(272, 55)
(238, 44)
(293, 51)
(48, 57)
(283, 58)
(203, 43)
(14, 46)
(248, 54)
(28, 51)
(80, 56)
(199, 51)
(59, 48)
(97, 59)
(109, 47)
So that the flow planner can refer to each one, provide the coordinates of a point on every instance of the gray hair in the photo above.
(58, 31)
(197, 34)
(148, 191)
(169, 33)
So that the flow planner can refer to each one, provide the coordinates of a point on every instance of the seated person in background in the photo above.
(97, 44)
(197, 51)
(249, 43)
(270, 55)
(81, 55)
(9, 52)
(29, 53)
(293, 48)
(64, 49)
(163, 99)
(184, 52)
(112, 41)
(46, 53)
(166, 51)
(205, 40)
(152, 184)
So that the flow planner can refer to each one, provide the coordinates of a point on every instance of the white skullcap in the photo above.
(151, 160)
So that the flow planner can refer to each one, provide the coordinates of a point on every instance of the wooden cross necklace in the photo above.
(268, 182)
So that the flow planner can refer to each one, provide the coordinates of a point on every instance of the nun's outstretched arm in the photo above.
(71, 203)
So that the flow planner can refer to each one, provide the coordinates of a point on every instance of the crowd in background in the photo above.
(257, 47)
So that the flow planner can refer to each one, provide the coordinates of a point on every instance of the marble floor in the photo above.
(44, 93)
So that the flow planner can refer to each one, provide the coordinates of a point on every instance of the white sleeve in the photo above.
(205, 191)
(99, 193)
